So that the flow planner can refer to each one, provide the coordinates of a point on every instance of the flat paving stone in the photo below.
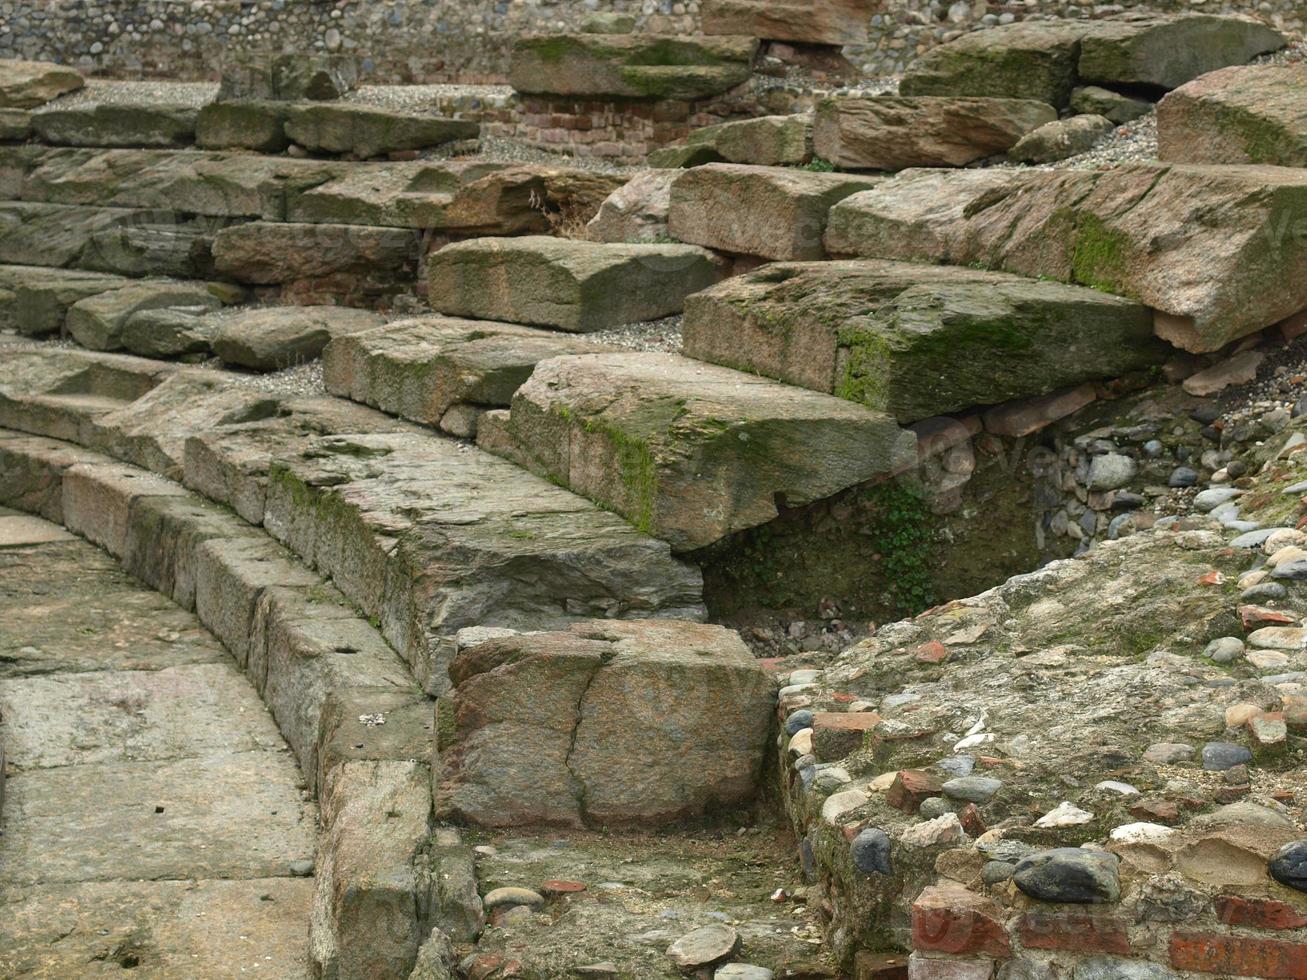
(152, 817)
(19, 530)
(209, 929)
(126, 715)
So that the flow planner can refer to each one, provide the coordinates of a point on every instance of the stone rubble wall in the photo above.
(457, 40)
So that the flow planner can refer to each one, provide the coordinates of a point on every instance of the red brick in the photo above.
(952, 919)
(911, 787)
(1239, 956)
(1075, 932)
(1211, 578)
(561, 886)
(972, 822)
(933, 652)
(835, 734)
(1156, 811)
(1255, 616)
(1259, 913)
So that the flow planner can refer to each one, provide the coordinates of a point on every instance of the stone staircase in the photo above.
(501, 537)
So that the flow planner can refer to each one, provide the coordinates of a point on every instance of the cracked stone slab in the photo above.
(917, 340)
(115, 124)
(419, 369)
(370, 131)
(28, 84)
(245, 807)
(568, 285)
(430, 536)
(639, 722)
(210, 928)
(114, 716)
(690, 452)
(1205, 246)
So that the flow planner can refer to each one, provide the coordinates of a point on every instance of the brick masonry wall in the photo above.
(462, 40)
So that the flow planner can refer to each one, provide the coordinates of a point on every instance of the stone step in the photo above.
(124, 241)
(460, 197)
(630, 66)
(915, 341)
(585, 727)
(427, 535)
(1045, 60)
(1210, 248)
(116, 124)
(223, 185)
(771, 212)
(570, 285)
(1247, 114)
(897, 132)
(34, 300)
(686, 451)
(441, 371)
(354, 265)
(768, 141)
(28, 84)
(346, 704)
(273, 338)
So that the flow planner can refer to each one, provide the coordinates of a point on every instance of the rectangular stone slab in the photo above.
(690, 452)
(235, 185)
(419, 369)
(430, 536)
(896, 132)
(915, 340)
(115, 124)
(833, 22)
(1248, 114)
(630, 66)
(772, 212)
(570, 285)
(369, 131)
(1213, 248)
(126, 241)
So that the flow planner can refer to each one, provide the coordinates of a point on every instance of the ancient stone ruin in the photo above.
(812, 489)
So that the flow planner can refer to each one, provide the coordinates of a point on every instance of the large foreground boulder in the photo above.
(896, 132)
(686, 451)
(1045, 60)
(916, 341)
(638, 722)
(833, 22)
(630, 66)
(771, 212)
(28, 84)
(1249, 114)
(1211, 248)
(272, 338)
(566, 284)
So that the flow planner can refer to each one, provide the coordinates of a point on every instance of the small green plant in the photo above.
(819, 166)
(900, 531)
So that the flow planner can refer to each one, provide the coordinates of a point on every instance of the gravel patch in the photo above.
(429, 98)
(112, 92)
(301, 380)
(662, 335)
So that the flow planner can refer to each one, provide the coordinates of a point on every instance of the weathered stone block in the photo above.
(368, 131)
(28, 84)
(571, 285)
(419, 369)
(773, 212)
(269, 253)
(257, 126)
(114, 124)
(896, 132)
(642, 722)
(686, 451)
(768, 141)
(97, 321)
(1237, 115)
(833, 22)
(916, 341)
(1143, 231)
(279, 337)
(631, 66)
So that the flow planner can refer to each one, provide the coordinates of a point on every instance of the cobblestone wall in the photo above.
(463, 40)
